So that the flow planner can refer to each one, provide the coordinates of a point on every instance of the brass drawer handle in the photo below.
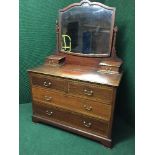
(47, 84)
(108, 69)
(88, 92)
(89, 108)
(48, 98)
(49, 113)
(87, 124)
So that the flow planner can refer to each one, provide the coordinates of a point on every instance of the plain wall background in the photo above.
(38, 40)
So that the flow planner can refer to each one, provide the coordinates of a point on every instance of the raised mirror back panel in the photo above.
(86, 28)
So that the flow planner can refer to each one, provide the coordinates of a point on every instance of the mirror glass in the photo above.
(86, 29)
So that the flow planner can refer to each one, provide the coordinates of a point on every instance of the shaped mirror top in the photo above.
(86, 28)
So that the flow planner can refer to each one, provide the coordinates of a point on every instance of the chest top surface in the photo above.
(81, 73)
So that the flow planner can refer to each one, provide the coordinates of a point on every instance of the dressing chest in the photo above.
(75, 88)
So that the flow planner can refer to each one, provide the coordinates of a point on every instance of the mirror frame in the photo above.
(61, 11)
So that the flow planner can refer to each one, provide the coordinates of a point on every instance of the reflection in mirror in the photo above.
(86, 29)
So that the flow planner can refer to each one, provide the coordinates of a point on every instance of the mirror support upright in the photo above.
(113, 52)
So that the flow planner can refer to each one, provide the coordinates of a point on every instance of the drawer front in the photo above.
(71, 119)
(50, 82)
(88, 107)
(93, 92)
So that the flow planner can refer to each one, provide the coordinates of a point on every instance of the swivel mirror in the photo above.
(86, 28)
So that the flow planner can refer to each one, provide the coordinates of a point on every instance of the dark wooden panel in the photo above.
(84, 106)
(75, 120)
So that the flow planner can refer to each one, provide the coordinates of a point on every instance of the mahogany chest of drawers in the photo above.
(67, 99)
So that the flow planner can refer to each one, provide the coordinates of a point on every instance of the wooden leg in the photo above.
(35, 120)
(107, 144)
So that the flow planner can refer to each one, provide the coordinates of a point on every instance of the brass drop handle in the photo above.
(48, 98)
(87, 124)
(49, 113)
(88, 92)
(47, 84)
(88, 108)
(108, 69)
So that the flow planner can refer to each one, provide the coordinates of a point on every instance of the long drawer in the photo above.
(88, 107)
(71, 119)
(92, 92)
(50, 82)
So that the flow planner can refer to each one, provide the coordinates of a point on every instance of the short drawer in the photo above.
(85, 106)
(92, 92)
(71, 119)
(50, 82)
